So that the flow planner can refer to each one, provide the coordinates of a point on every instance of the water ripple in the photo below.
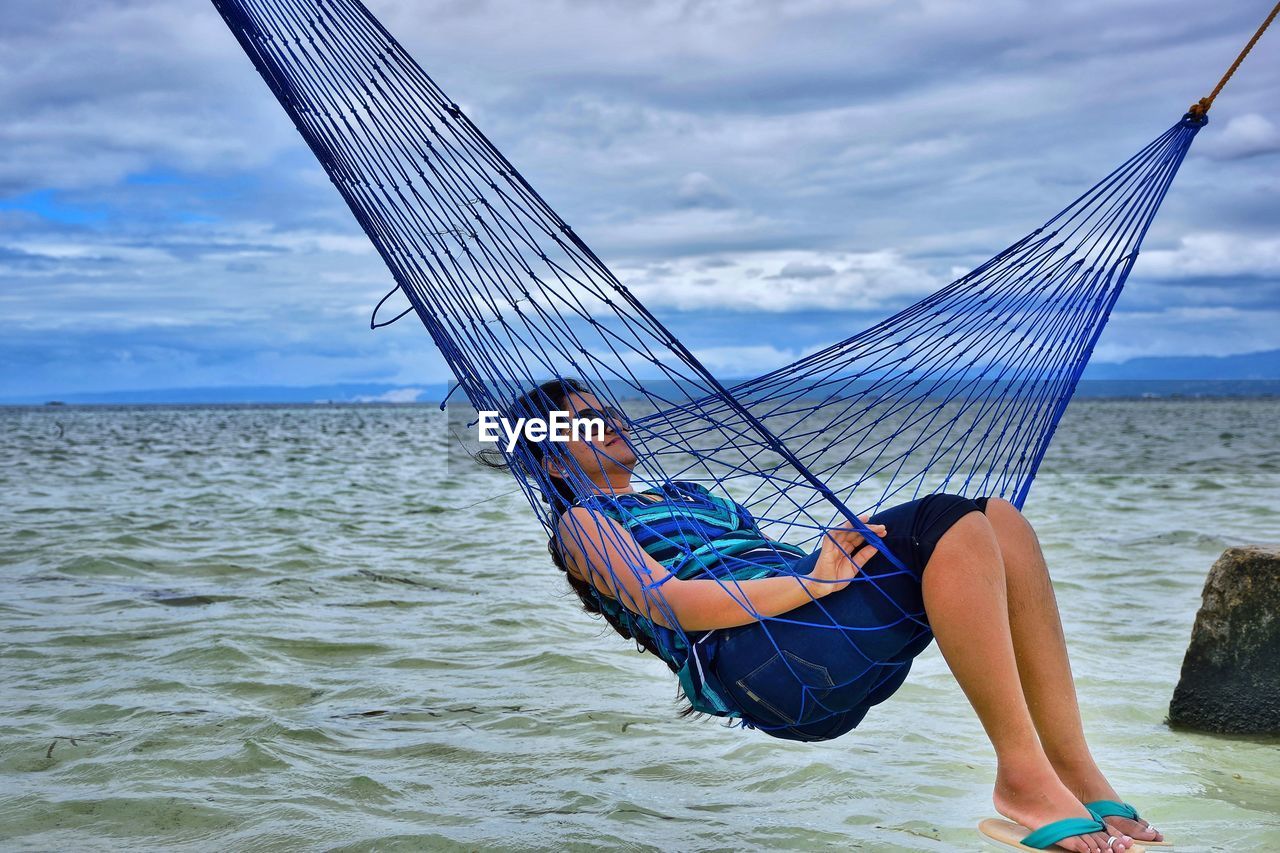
(282, 628)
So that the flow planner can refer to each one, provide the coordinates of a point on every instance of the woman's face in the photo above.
(601, 457)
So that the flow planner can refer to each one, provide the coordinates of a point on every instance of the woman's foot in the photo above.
(1088, 784)
(1038, 798)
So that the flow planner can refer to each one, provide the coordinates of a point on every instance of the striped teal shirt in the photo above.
(693, 534)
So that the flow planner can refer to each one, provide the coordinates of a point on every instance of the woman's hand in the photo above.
(833, 569)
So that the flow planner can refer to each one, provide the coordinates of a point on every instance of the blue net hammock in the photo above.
(960, 392)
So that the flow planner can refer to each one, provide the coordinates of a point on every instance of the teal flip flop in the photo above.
(1112, 808)
(1016, 837)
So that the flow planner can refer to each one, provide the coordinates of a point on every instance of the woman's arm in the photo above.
(601, 551)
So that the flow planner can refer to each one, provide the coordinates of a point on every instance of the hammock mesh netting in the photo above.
(960, 392)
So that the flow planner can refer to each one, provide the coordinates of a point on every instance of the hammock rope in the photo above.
(1202, 106)
(960, 392)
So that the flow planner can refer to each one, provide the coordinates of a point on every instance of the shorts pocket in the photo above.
(787, 687)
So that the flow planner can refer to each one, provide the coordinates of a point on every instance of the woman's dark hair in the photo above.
(551, 397)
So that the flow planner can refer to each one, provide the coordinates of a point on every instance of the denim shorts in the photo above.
(813, 673)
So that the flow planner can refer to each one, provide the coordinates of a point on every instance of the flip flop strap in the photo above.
(1050, 834)
(1111, 808)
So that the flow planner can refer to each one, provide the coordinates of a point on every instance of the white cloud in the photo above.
(1213, 255)
(93, 92)
(804, 270)
(395, 395)
(746, 361)
(780, 282)
(1245, 135)
(1187, 331)
(699, 190)
(683, 230)
(775, 158)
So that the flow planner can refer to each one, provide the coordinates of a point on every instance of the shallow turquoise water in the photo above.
(293, 628)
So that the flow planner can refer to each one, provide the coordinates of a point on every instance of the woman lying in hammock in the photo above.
(976, 582)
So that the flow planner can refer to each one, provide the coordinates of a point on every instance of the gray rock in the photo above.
(1231, 675)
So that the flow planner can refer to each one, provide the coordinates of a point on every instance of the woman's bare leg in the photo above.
(1043, 665)
(965, 599)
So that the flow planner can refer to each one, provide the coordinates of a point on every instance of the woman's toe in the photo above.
(1114, 843)
(1079, 844)
(1138, 830)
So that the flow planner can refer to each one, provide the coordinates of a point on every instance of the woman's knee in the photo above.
(1007, 518)
(1019, 543)
(1001, 507)
(941, 518)
(970, 535)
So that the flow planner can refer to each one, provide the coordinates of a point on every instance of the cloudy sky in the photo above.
(824, 163)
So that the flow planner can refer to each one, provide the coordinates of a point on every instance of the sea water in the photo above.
(295, 628)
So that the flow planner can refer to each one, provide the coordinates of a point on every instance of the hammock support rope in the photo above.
(1199, 108)
(959, 392)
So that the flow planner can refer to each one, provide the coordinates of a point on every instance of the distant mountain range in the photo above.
(1254, 373)
(1254, 365)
